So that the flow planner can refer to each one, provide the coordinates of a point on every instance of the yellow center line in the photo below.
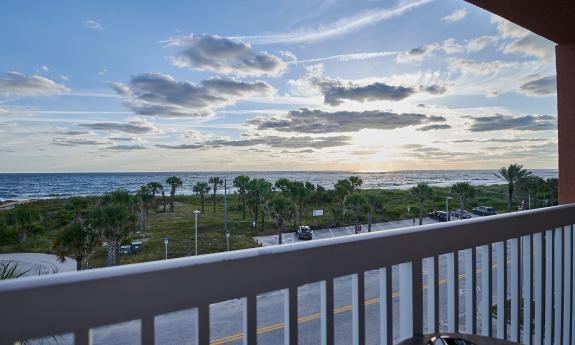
(311, 317)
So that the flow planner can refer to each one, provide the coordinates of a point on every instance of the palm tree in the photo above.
(355, 182)
(264, 191)
(9, 270)
(465, 191)
(74, 240)
(22, 219)
(174, 182)
(201, 189)
(512, 175)
(373, 202)
(553, 185)
(215, 181)
(113, 218)
(354, 203)
(156, 187)
(421, 191)
(146, 196)
(280, 209)
(241, 183)
(77, 205)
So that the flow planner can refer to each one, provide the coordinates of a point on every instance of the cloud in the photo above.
(317, 121)
(507, 29)
(154, 94)
(77, 142)
(426, 152)
(125, 138)
(433, 127)
(479, 43)
(125, 147)
(335, 92)
(338, 28)
(295, 142)
(133, 127)
(225, 56)
(518, 123)
(455, 16)
(540, 87)
(475, 66)
(532, 45)
(492, 140)
(74, 132)
(18, 84)
(416, 54)
(349, 57)
(94, 25)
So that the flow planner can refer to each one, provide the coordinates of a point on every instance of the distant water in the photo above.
(39, 186)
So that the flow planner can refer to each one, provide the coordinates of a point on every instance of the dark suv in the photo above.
(304, 233)
(484, 211)
(438, 215)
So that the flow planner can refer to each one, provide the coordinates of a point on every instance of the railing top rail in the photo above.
(79, 300)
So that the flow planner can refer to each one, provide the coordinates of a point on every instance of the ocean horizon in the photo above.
(25, 186)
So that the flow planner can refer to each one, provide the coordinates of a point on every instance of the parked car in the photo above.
(461, 214)
(304, 233)
(438, 215)
(126, 249)
(484, 211)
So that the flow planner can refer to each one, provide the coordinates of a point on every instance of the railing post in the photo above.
(327, 328)
(501, 250)
(470, 300)
(385, 306)
(417, 297)
(527, 285)
(290, 316)
(430, 282)
(453, 291)
(538, 287)
(203, 325)
(83, 337)
(250, 320)
(486, 290)
(148, 328)
(514, 246)
(567, 307)
(558, 285)
(405, 301)
(548, 287)
(358, 308)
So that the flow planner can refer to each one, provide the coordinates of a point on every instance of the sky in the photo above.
(363, 85)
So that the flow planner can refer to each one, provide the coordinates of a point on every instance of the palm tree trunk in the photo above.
(79, 263)
(509, 197)
(111, 253)
(172, 194)
(244, 208)
(202, 200)
(263, 218)
(280, 235)
(23, 235)
(164, 201)
(420, 211)
(214, 199)
(356, 223)
(369, 221)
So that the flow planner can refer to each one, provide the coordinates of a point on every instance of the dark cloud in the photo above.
(224, 55)
(18, 84)
(181, 147)
(134, 127)
(317, 121)
(335, 91)
(77, 142)
(124, 138)
(492, 140)
(433, 127)
(418, 151)
(416, 54)
(73, 132)
(157, 94)
(125, 147)
(518, 123)
(303, 142)
(540, 87)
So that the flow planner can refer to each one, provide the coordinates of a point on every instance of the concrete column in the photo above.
(565, 55)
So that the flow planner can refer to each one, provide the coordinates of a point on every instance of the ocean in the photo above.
(57, 185)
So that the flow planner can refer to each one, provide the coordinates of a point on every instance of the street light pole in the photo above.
(166, 240)
(447, 197)
(196, 212)
(226, 214)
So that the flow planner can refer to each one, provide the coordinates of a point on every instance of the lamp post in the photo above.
(196, 212)
(447, 197)
(166, 241)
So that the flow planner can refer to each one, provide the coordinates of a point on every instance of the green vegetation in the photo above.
(92, 229)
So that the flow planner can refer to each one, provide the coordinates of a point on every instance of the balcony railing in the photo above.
(524, 261)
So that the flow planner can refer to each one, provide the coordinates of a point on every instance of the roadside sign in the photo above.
(317, 213)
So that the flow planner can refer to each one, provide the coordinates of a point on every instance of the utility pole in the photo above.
(226, 215)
